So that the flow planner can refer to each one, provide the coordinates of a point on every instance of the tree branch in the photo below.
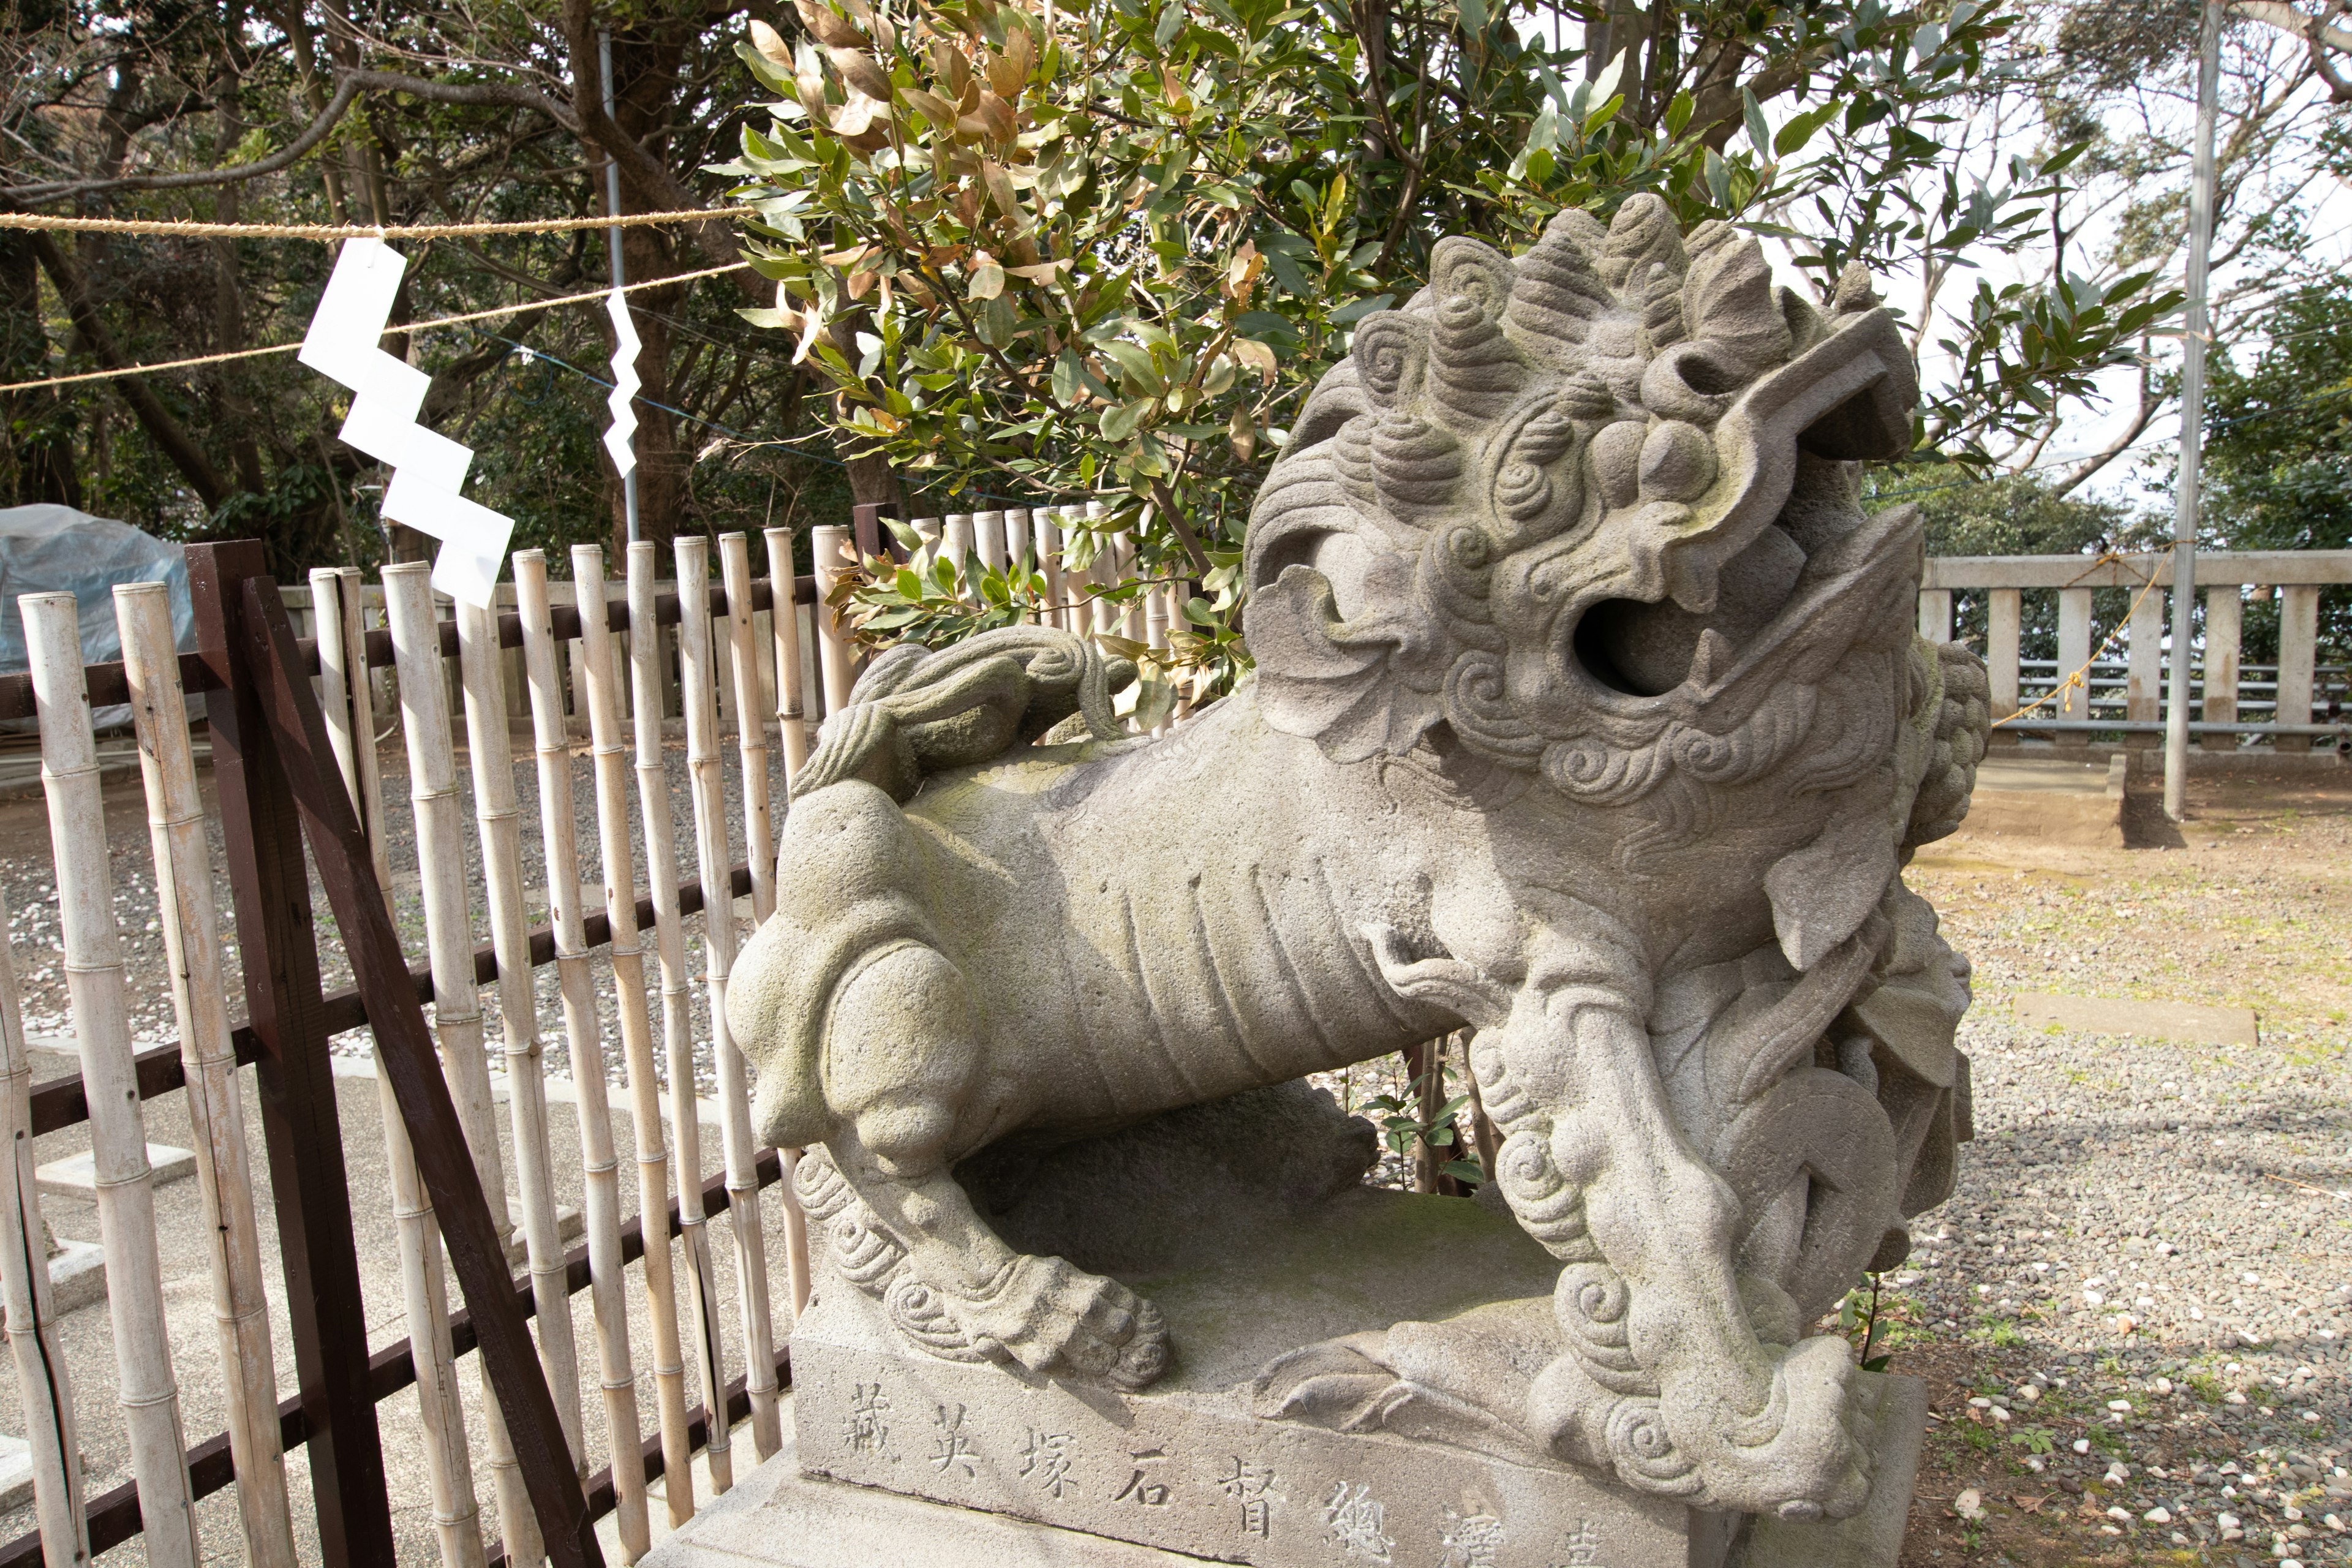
(166, 431)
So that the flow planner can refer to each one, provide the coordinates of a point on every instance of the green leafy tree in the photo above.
(1108, 255)
(2023, 515)
(2278, 452)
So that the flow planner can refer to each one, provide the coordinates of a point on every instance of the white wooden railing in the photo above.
(2127, 691)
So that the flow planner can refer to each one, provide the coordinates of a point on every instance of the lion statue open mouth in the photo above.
(1589, 715)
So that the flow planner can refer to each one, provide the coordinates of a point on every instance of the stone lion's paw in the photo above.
(1811, 1464)
(1049, 1315)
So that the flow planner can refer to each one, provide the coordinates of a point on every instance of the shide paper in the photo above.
(427, 468)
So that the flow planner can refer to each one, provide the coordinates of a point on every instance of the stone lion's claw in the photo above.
(1051, 1316)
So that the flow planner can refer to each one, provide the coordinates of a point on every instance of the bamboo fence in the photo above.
(749, 646)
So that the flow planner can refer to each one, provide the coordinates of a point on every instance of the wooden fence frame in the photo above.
(279, 786)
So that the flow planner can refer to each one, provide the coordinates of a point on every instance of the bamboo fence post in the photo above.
(44, 1391)
(349, 705)
(449, 946)
(1047, 526)
(833, 550)
(1102, 571)
(699, 678)
(792, 721)
(1131, 622)
(146, 1390)
(956, 542)
(750, 730)
(678, 1040)
(600, 1162)
(600, 697)
(183, 887)
(1017, 548)
(334, 694)
(927, 534)
(498, 821)
(424, 1289)
(362, 685)
(988, 539)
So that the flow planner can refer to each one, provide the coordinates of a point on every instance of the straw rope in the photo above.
(491, 314)
(2081, 678)
(186, 229)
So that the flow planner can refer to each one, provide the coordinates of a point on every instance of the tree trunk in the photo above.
(36, 464)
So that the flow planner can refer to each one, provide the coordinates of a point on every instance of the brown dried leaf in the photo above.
(1022, 51)
(997, 116)
(859, 115)
(1005, 76)
(861, 73)
(771, 45)
(1000, 188)
(1258, 356)
(826, 25)
(947, 62)
(860, 284)
(931, 107)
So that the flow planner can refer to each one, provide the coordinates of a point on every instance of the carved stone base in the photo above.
(1187, 1468)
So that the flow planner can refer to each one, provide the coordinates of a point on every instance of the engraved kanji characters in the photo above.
(1472, 1541)
(1581, 1546)
(1356, 1524)
(1248, 1486)
(1140, 1486)
(865, 1426)
(951, 1449)
(1046, 1459)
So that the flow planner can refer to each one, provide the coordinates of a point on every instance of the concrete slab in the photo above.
(2187, 1022)
(16, 1473)
(76, 1175)
(77, 1279)
(2049, 800)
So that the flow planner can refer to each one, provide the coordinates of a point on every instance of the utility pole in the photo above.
(612, 249)
(2192, 417)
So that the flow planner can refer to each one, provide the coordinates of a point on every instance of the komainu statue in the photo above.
(1589, 714)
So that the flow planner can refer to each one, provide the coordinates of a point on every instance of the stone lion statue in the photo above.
(1589, 714)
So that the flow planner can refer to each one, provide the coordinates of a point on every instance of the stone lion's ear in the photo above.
(1392, 356)
(1323, 682)
(1821, 893)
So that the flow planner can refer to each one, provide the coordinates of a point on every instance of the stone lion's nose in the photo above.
(1694, 382)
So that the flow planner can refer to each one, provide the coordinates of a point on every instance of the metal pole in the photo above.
(613, 242)
(2192, 418)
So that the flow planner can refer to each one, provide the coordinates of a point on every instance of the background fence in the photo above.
(2127, 691)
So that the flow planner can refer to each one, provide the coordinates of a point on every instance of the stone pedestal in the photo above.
(1037, 1470)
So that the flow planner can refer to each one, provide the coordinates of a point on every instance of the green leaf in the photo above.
(1468, 1171)
(1801, 128)
(1119, 424)
(1758, 133)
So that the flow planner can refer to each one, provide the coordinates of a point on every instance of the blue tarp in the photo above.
(52, 549)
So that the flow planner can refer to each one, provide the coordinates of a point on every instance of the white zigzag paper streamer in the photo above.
(427, 469)
(623, 403)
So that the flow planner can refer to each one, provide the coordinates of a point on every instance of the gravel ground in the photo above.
(2134, 1310)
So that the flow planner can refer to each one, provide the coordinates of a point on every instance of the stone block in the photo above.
(77, 1275)
(76, 1175)
(16, 1473)
(1192, 1466)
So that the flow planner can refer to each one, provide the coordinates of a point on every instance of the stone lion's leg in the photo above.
(900, 1059)
(1667, 1380)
